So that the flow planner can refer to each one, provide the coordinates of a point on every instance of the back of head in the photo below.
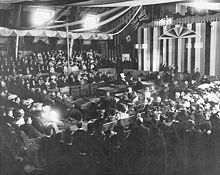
(79, 124)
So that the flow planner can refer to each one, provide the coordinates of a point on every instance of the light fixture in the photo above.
(50, 115)
(41, 16)
(91, 21)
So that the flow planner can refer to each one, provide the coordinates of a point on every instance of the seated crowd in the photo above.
(175, 129)
(50, 62)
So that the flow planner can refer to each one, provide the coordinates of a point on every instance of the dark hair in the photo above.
(16, 113)
(26, 118)
(79, 124)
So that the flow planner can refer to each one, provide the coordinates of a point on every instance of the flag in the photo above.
(61, 41)
(129, 36)
(139, 20)
(38, 38)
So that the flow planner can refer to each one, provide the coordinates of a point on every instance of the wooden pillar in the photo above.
(68, 49)
(71, 47)
(17, 46)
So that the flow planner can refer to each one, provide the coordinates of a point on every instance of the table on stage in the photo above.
(126, 121)
(107, 89)
(113, 89)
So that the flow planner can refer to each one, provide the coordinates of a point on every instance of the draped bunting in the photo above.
(184, 20)
(197, 19)
(118, 23)
(129, 22)
(179, 32)
(50, 33)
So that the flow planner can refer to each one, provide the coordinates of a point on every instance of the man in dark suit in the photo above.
(122, 80)
(139, 84)
(108, 102)
(138, 142)
(139, 135)
(80, 138)
(196, 74)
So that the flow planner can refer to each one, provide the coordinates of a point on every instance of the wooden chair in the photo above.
(75, 91)
(93, 89)
(84, 90)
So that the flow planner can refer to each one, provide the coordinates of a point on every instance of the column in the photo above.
(180, 56)
(17, 46)
(139, 49)
(217, 61)
(156, 49)
(146, 48)
(165, 46)
(171, 50)
(213, 47)
(180, 49)
(200, 47)
(189, 50)
(71, 47)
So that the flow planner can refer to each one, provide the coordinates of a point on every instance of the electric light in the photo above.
(50, 115)
(54, 116)
(41, 16)
(91, 21)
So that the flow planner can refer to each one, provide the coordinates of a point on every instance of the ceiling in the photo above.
(93, 3)
(97, 3)
(81, 7)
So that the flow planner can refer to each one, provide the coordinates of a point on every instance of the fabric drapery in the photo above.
(183, 20)
(50, 33)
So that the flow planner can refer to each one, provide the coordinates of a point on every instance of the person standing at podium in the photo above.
(122, 80)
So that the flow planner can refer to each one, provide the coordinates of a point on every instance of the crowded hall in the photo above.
(105, 87)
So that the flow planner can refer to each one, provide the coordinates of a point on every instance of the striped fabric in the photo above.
(186, 53)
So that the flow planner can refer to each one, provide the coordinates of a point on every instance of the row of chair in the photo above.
(87, 90)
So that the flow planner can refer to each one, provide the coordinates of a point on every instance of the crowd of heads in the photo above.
(164, 113)
(51, 61)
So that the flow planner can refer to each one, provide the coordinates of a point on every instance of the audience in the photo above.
(168, 134)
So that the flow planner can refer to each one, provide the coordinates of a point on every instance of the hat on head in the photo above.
(28, 102)
(122, 75)
(128, 74)
(140, 119)
(37, 106)
(12, 97)
(53, 95)
(53, 77)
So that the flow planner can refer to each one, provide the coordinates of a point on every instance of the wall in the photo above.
(201, 52)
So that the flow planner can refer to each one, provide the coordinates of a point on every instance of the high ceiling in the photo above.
(75, 10)
(94, 3)
(97, 3)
